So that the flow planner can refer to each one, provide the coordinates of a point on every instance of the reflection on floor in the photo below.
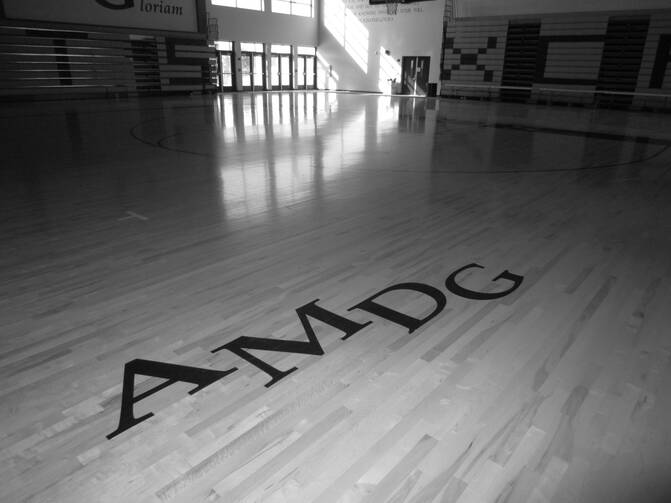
(218, 242)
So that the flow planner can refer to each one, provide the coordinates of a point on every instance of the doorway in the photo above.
(305, 72)
(251, 70)
(280, 68)
(226, 70)
(415, 75)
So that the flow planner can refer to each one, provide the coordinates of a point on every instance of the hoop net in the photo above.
(392, 6)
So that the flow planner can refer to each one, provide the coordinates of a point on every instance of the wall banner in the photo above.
(170, 15)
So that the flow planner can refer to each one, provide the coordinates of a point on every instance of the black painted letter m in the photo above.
(240, 345)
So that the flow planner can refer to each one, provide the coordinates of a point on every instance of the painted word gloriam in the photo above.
(203, 377)
(158, 7)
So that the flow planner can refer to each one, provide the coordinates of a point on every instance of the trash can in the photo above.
(432, 91)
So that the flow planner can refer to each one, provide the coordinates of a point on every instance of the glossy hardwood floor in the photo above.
(165, 229)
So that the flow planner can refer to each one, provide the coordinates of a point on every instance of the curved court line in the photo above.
(597, 135)
(160, 143)
(134, 135)
(561, 170)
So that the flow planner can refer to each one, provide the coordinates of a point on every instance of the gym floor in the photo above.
(200, 233)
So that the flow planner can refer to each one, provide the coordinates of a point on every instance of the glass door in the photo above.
(275, 71)
(251, 70)
(225, 65)
(281, 71)
(246, 70)
(305, 72)
(285, 71)
(226, 71)
(280, 67)
(258, 72)
(252, 66)
(300, 72)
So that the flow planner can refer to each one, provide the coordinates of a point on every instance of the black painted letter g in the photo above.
(126, 4)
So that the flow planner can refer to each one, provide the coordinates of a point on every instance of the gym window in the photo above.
(240, 4)
(293, 7)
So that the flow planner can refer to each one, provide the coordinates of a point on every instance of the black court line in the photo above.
(561, 170)
(572, 132)
(560, 131)
(132, 132)
(665, 144)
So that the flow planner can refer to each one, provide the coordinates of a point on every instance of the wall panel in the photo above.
(562, 58)
(473, 54)
(655, 74)
(47, 62)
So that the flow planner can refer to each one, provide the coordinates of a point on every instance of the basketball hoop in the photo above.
(392, 7)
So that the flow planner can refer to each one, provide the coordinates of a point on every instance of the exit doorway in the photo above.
(306, 72)
(252, 71)
(415, 75)
(280, 66)
(226, 70)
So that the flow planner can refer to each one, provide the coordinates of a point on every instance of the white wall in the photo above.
(483, 8)
(416, 30)
(253, 26)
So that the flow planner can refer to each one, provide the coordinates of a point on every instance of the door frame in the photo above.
(308, 84)
(220, 72)
(417, 62)
(254, 85)
(279, 56)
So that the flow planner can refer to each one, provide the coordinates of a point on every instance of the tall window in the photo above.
(240, 4)
(293, 7)
(280, 49)
(251, 46)
(222, 45)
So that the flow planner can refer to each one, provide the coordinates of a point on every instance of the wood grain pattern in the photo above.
(161, 229)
